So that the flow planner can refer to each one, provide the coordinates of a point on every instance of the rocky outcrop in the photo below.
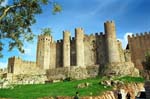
(29, 79)
(83, 85)
(11, 79)
(121, 69)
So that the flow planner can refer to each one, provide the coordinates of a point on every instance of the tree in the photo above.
(47, 31)
(16, 20)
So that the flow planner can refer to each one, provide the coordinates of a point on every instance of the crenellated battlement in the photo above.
(109, 22)
(28, 62)
(101, 34)
(139, 35)
(79, 33)
(20, 59)
(15, 57)
(79, 29)
(59, 41)
(45, 38)
(72, 38)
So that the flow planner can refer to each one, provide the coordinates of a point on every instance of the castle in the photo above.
(79, 51)
(139, 45)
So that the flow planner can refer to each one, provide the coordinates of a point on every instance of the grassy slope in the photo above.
(59, 89)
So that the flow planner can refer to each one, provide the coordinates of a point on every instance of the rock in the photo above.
(54, 81)
(83, 85)
(106, 82)
(121, 69)
(28, 79)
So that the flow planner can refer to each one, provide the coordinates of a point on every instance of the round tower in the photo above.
(43, 51)
(111, 42)
(66, 48)
(79, 35)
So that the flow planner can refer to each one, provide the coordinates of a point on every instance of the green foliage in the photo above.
(67, 88)
(56, 8)
(146, 63)
(16, 20)
(47, 31)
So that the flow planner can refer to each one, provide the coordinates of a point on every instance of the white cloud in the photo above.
(30, 51)
(124, 40)
(4, 3)
(3, 64)
(126, 36)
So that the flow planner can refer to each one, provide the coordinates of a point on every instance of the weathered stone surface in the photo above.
(4, 83)
(111, 43)
(121, 69)
(139, 45)
(72, 72)
(83, 85)
(78, 73)
(79, 34)
(114, 83)
(106, 82)
(29, 79)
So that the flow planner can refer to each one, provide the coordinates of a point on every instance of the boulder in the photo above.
(83, 85)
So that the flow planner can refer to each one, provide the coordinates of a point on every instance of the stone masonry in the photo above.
(139, 45)
(81, 51)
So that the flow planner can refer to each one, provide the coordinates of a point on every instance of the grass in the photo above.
(60, 89)
(128, 79)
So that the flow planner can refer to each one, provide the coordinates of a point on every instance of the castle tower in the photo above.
(79, 35)
(14, 64)
(43, 51)
(66, 48)
(111, 42)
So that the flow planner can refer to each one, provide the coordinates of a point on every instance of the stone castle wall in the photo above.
(94, 46)
(63, 53)
(94, 50)
(81, 51)
(138, 46)
(18, 66)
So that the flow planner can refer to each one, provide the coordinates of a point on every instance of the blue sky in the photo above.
(130, 16)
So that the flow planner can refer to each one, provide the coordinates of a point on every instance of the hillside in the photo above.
(66, 88)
